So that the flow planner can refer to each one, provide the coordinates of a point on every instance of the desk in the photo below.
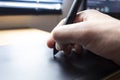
(25, 56)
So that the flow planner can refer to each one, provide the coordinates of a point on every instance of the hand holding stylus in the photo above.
(93, 30)
(70, 18)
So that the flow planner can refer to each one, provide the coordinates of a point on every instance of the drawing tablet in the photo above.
(35, 62)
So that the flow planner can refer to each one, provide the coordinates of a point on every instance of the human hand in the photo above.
(92, 30)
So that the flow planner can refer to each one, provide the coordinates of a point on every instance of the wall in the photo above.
(44, 22)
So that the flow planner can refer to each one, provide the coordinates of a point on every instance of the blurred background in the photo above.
(46, 14)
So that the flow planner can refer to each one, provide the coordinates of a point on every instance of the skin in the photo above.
(92, 30)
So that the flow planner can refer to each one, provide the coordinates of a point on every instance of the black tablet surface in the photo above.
(36, 62)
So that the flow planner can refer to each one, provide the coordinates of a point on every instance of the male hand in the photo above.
(92, 30)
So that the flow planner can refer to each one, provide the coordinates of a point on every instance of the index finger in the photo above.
(51, 40)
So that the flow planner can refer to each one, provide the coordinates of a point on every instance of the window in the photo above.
(12, 7)
(110, 7)
(107, 6)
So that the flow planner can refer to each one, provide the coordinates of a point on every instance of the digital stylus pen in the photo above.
(70, 17)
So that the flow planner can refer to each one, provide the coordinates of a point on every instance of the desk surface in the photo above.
(25, 56)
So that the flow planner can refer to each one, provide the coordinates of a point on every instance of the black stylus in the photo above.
(70, 17)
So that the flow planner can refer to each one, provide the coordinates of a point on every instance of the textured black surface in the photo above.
(36, 62)
(88, 66)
